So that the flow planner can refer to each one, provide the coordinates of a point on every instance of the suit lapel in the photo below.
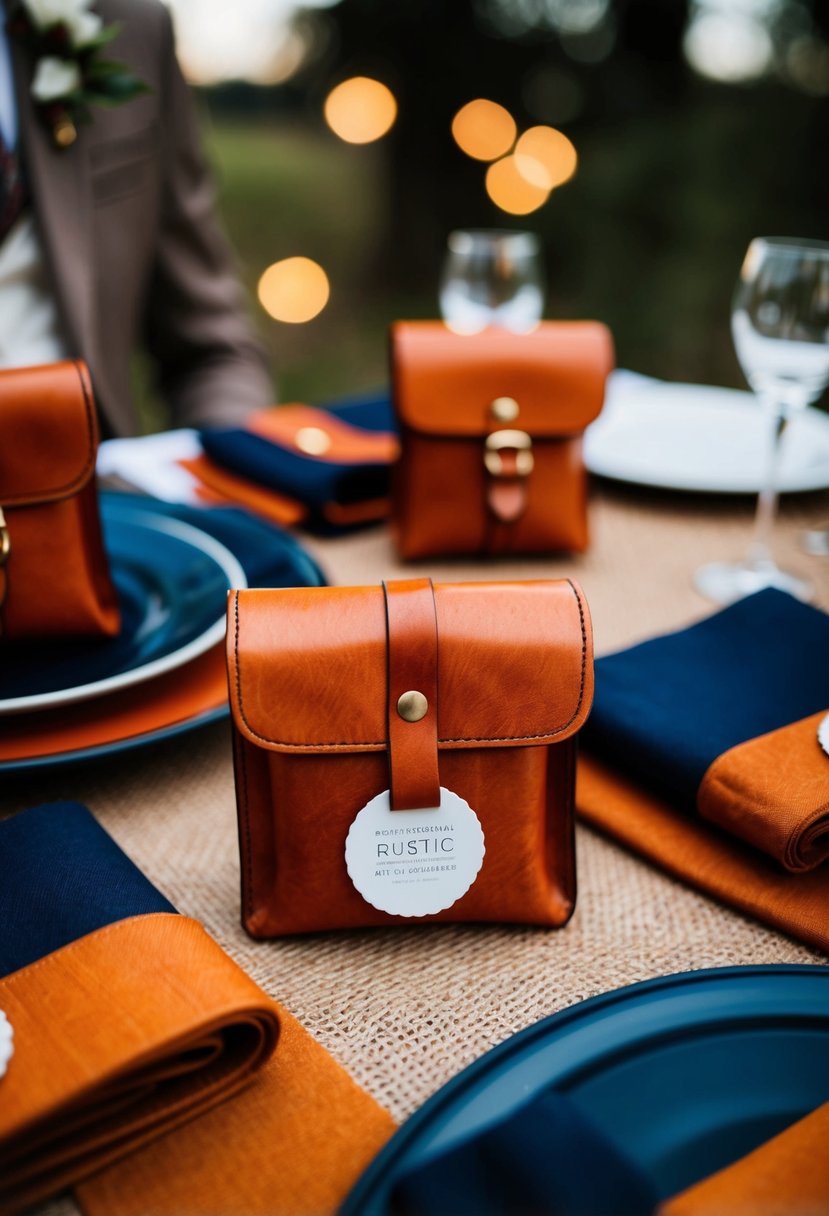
(59, 183)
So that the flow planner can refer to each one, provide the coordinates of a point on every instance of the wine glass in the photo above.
(780, 326)
(492, 277)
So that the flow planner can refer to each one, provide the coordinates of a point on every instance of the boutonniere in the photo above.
(65, 41)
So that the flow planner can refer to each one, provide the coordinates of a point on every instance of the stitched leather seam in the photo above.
(80, 479)
(545, 734)
(558, 729)
(247, 886)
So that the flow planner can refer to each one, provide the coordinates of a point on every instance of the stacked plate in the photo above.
(163, 674)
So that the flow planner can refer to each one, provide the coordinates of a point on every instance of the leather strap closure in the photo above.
(508, 460)
(412, 710)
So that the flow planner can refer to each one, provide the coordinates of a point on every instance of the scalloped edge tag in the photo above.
(414, 863)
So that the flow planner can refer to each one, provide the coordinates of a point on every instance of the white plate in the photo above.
(694, 437)
(172, 580)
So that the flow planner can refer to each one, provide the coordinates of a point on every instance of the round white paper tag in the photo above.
(414, 863)
(823, 734)
(6, 1042)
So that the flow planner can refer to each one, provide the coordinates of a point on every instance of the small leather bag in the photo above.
(367, 721)
(491, 427)
(54, 577)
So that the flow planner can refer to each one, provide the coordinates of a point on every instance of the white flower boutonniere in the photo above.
(65, 39)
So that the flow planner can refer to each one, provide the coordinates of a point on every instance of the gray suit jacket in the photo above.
(136, 255)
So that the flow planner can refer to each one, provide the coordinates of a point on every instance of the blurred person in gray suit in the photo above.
(109, 240)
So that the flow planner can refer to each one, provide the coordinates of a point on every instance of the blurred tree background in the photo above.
(697, 123)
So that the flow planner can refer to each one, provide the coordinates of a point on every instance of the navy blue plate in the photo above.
(172, 581)
(685, 1074)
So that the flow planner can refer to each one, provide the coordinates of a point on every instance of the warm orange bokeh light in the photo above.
(545, 157)
(294, 290)
(510, 190)
(360, 110)
(483, 129)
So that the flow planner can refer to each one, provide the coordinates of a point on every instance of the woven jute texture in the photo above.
(405, 1009)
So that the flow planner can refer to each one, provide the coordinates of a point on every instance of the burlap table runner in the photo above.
(405, 1009)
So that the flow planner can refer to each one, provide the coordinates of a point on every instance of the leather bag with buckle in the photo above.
(491, 428)
(345, 696)
(54, 576)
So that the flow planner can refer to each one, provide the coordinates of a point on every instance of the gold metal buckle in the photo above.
(516, 441)
(5, 540)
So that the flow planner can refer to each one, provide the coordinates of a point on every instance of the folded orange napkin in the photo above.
(131, 1026)
(223, 488)
(703, 855)
(109, 1055)
(773, 792)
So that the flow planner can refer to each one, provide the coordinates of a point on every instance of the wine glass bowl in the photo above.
(780, 327)
(492, 277)
(780, 320)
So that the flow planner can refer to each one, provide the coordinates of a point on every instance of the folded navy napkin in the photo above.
(61, 877)
(546, 1159)
(344, 483)
(315, 482)
(369, 411)
(666, 709)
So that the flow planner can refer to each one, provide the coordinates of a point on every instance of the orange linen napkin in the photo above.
(704, 856)
(341, 442)
(773, 792)
(110, 1057)
(220, 486)
(786, 1176)
(292, 1144)
(107, 1056)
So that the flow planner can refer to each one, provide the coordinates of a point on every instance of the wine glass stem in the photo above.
(759, 552)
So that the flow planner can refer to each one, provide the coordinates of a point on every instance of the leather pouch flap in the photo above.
(48, 433)
(445, 383)
(308, 667)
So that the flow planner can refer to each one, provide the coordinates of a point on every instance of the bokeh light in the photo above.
(257, 40)
(510, 190)
(545, 157)
(483, 129)
(729, 45)
(294, 290)
(360, 110)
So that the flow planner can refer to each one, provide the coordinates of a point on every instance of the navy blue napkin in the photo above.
(315, 481)
(62, 876)
(369, 411)
(665, 709)
(546, 1159)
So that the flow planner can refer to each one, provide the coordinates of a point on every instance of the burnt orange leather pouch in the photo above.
(54, 577)
(490, 429)
(341, 693)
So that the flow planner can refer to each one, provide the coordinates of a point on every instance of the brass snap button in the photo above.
(312, 440)
(412, 706)
(504, 409)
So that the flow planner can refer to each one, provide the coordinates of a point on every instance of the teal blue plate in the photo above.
(685, 1074)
